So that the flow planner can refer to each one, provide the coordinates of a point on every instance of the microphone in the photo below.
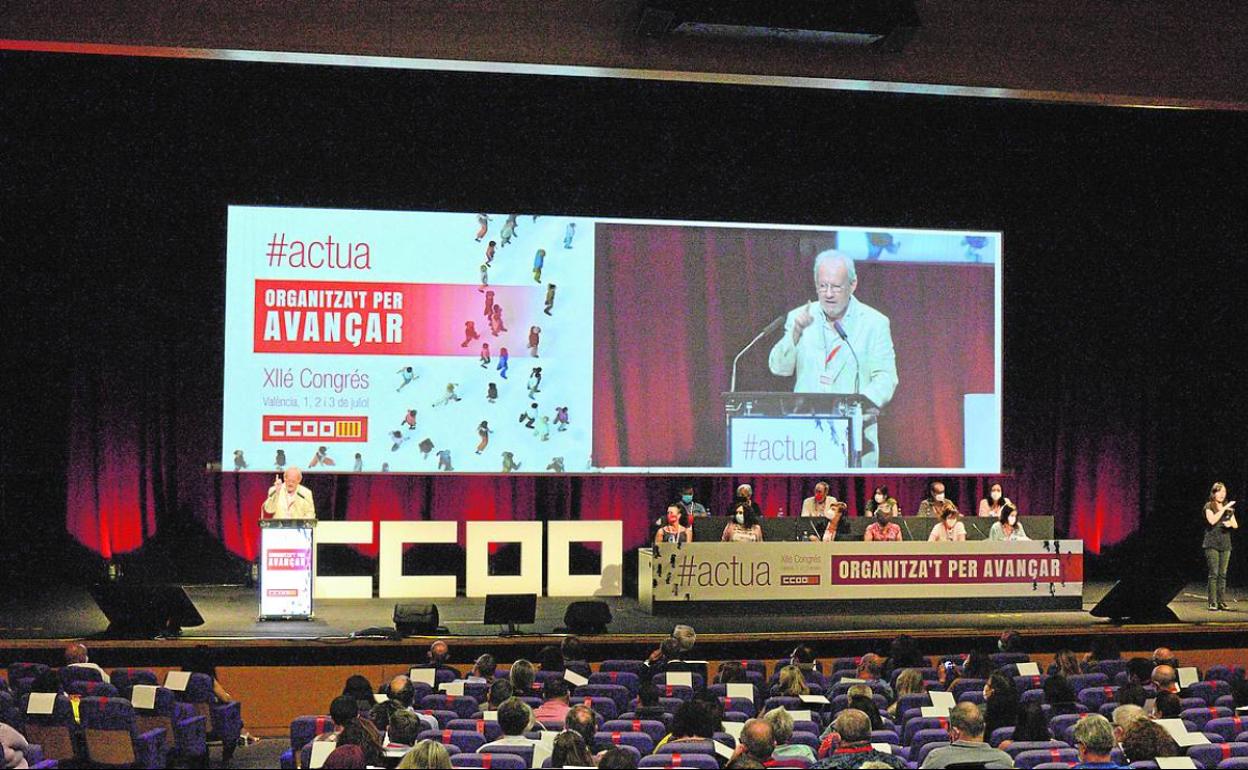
(840, 330)
(771, 327)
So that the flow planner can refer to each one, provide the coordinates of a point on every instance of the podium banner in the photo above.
(285, 571)
(1048, 572)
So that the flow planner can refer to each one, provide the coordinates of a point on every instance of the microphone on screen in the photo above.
(840, 330)
(771, 327)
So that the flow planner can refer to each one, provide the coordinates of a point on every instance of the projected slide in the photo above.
(424, 342)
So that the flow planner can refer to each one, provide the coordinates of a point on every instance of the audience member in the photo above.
(582, 720)
(731, 672)
(616, 758)
(909, 682)
(1144, 739)
(362, 733)
(1031, 725)
(1011, 641)
(573, 651)
(500, 691)
(859, 696)
(903, 652)
(401, 733)
(791, 683)
(1066, 664)
(1001, 703)
(361, 689)
(349, 756)
(555, 703)
(757, 741)
(439, 657)
(1165, 679)
(665, 658)
(1103, 648)
(514, 718)
(966, 742)
(1239, 690)
(549, 658)
(427, 753)
(848, 745)
(871, 669)
(693, 721)
(648, 703)
(781, 723)
(569, 750)
(1060, 696)
(1167, 706)
(1163, 656)
(1123, 716)
(16, 750)
(687, 638)
(1132, 694)
(1093, 737)
(1139, 670)
(483, 670)
(76, 656)
(522, 677)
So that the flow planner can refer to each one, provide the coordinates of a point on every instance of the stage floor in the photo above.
(230, 616)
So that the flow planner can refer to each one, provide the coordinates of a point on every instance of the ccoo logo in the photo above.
(314, 428)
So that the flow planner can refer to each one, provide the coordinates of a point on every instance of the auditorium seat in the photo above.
(1001, 734)
(443, 716)
(804, 738)
(491, 730)
(687, 747)
(842, 664)
(1211, 755)
(965, 685)
(113, 738)
(918, 724)
(1025, 683)
(1081, 681)
(125, 678)
(525, 753)
(1227, 727)
(1110, 668)
(1209, 691)
(679, 692)
(698, 761)
(919, 751)
(1018, 747)
(606, 707)
(1030, 759)
(841, 688)
(742, 705)
(926, 737)
(638, 740)
(302, 730)
(468, 741)
(1224, 673)
(542, 677)
(78, 674)
(24, 671)
(225, 720)
(462, 705)
(87, 688)
(58, 733)
(493, 760)
(1234, 763)
(1193, 703)
(186, 733)
(1061, 725)
(631, 666)
(477, 690)
(1201, 716)
(972, 696)
(1095, 697)
(1000, 659)
(625, 679)
(660, 680)
(651, 727)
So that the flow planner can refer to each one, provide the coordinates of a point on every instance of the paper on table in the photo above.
(883, 748)
(320, 752)
(850, 680)
(177, 680)
(143, 696)
(1030, 668)
(723, 750)
(740, 690)
(814, 699)
(573, 678)
(41, 703)
(934, 712)
(801, 715)
(1174, 762)
(489, 716)
(942, 699)
(380, 697)
(1188, 676)
(1178, 731)
(542, 749)
(422, 675)
(680, 679)
(452, 688)
(734, 729)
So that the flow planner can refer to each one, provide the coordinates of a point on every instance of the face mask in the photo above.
(686, 499)
(740, 519)
(940, 497)
(881, 519)
(996, 496)
(879, 498)
(673, 519)
(819, 497)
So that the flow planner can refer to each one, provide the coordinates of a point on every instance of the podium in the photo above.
(286, 568)
(785, 432)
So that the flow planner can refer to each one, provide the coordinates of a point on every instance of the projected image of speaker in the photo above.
(588, 617)
(510, 610)
(1141, 597)
(139, 611)
(411, 619)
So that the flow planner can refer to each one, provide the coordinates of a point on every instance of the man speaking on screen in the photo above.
(839, 345)
(288, 499)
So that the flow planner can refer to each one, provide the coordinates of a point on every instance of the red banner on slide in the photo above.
(962, 569)
(408, 319)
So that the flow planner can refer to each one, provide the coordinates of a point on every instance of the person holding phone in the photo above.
(288, 498)
(1219, 521)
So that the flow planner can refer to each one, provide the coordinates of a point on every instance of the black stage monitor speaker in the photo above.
(590, 617)
(1141, 597)
(510, 610)
(144, 611)
(413, 618)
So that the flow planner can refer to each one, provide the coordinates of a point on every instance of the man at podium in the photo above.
(288, 498)
(839, 345)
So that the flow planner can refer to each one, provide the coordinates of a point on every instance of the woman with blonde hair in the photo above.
(427, 753)
(909, 682)
(791, 683)
(1066, 664)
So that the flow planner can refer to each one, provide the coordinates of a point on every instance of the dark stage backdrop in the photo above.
(1124, 235)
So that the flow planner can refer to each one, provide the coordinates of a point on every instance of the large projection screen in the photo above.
(426, 342)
